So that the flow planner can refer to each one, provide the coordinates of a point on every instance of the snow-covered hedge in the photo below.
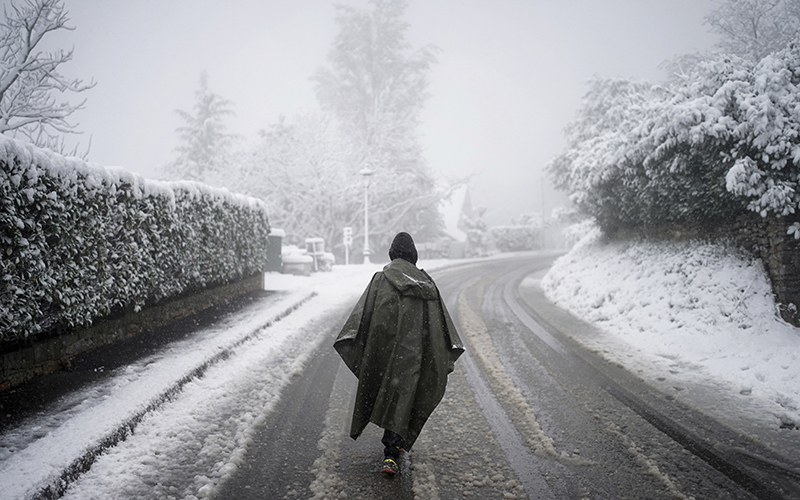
(517, 238)
(81, 241)
(722, 140)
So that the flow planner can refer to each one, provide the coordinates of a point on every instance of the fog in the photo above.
(509, 77)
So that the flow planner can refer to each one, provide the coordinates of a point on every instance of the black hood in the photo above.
(403, 248)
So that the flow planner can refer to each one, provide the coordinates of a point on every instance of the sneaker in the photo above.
(390, 467)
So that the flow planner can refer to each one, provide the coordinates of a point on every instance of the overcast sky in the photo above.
(510, 75)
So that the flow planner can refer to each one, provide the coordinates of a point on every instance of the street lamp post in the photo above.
(366, 173)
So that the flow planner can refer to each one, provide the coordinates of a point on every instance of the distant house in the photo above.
(455, 210)
(452, 209)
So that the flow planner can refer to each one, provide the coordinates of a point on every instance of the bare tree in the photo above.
(754, 28)
(30, 78)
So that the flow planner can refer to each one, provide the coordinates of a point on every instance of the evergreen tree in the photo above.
(205, 143)
(721, 142)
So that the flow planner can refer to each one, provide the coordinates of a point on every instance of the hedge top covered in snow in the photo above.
(35, 161)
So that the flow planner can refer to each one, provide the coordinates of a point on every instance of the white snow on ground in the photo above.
(701, 310)
(691, 311)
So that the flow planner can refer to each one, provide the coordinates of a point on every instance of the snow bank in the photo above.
(705, 310)
(82, 241)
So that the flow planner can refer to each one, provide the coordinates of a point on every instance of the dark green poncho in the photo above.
(401, 344)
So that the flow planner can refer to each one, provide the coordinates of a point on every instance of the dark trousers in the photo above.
(393, 444)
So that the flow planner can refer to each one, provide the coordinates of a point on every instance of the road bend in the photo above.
(591, 429)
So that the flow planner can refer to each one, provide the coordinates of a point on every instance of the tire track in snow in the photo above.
(80, 465)
(485, 352)
(518, 449)
(327, 482)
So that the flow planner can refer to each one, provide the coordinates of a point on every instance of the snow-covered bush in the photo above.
(721, 141)
(517, 238)
(81, 241)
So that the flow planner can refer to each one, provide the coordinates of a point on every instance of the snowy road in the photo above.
(595, 430)
(258, 406)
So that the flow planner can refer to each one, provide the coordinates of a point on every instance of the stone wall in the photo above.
(766, 239)
(55, 353)
(780, 253)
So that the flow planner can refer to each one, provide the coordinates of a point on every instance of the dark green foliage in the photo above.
(81, 242)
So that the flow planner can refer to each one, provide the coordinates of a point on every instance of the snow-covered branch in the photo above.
(30, 79)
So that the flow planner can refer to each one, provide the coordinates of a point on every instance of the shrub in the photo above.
(517, 238)
(723, 140)
(81, 241)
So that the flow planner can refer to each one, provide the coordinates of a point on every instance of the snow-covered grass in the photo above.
(684, 312)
